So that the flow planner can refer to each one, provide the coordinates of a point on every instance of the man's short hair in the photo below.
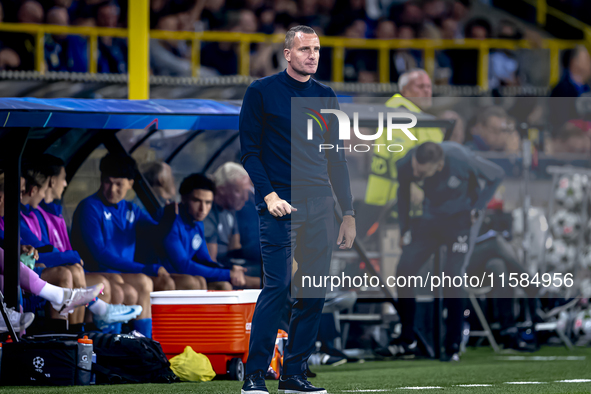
(487, 113)
(404, 79)
(195, 182)
(118, 165)
(52, 165)
(429, 152)
(34, 173)
(290, 35)
(229, 172)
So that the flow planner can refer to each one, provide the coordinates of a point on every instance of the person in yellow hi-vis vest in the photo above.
(415, 96)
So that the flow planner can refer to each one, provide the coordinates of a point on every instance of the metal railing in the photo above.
(338, 44)
(542, 11)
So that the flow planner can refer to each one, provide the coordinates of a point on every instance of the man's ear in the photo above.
(287, 54)
(131, 182)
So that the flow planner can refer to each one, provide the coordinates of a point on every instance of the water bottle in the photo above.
(93, 375)
(84, 361)
(0, 360)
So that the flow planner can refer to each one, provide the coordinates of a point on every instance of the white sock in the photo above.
(52, 293)
(98, 307)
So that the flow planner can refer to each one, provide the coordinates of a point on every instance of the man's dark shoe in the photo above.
(254, 384)
(296, 384)
(309, 373)
(398, 348)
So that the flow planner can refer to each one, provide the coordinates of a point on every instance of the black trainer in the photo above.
(254, 384)
(296, 384)
(398, 348)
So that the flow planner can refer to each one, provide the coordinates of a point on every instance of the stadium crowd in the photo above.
(429, 19)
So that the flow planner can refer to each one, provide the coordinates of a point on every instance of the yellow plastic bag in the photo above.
(192, 367)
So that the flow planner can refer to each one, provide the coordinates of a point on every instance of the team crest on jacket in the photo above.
(453, 182)
(196, 242)
(130, 216)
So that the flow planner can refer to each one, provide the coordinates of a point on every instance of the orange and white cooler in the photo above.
(215, 323)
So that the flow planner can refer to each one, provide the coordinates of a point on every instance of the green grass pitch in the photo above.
(478, 367)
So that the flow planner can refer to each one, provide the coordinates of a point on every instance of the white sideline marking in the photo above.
(525, 382)
(574, 381)
(472, 385)
(419, 388)
(541, 358)
(364, 391)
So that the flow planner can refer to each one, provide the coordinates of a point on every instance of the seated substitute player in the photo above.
(457, 184)
(52, 224)
(184, 247)
(104, 232)
(63, 266)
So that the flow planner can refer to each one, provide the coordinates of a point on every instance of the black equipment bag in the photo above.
(50, 362)
(124, 358)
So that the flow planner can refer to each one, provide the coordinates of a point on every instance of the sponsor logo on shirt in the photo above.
(107, 215)
(196, 242)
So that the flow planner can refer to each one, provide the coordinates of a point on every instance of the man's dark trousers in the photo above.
(308, 235)
(458, 234)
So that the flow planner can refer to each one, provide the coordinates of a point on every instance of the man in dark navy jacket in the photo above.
(292, 179)
(458, 185)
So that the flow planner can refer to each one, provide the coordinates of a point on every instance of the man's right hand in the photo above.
(278, 207)
(237, 276)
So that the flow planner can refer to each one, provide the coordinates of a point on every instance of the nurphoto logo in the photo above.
(345, 129)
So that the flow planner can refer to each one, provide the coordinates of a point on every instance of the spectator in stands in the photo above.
(574, 83)
(460, 10)
(23, 44)
(465, 62)
(45, 229)
(443, 70)
(9, 59)
(63, 52)
(503, 64)
(112, 50)
(213, 16)
(159, 175)
(492, 132)
(183, 249)
(104, 232)
(577, 71)
(570, 139)
(165, 56)
(221, 227)
(268, 59)
(407, 59)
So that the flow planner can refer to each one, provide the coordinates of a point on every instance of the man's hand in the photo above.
(28, 250)
(237, 276)
(474, 215)
(278, 207)
(347, 232)
(162, 272)
(416, 194)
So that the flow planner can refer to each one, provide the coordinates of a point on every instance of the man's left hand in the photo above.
(347, 232)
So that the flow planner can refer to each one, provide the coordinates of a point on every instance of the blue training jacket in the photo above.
(105, 235)
(184, 246)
